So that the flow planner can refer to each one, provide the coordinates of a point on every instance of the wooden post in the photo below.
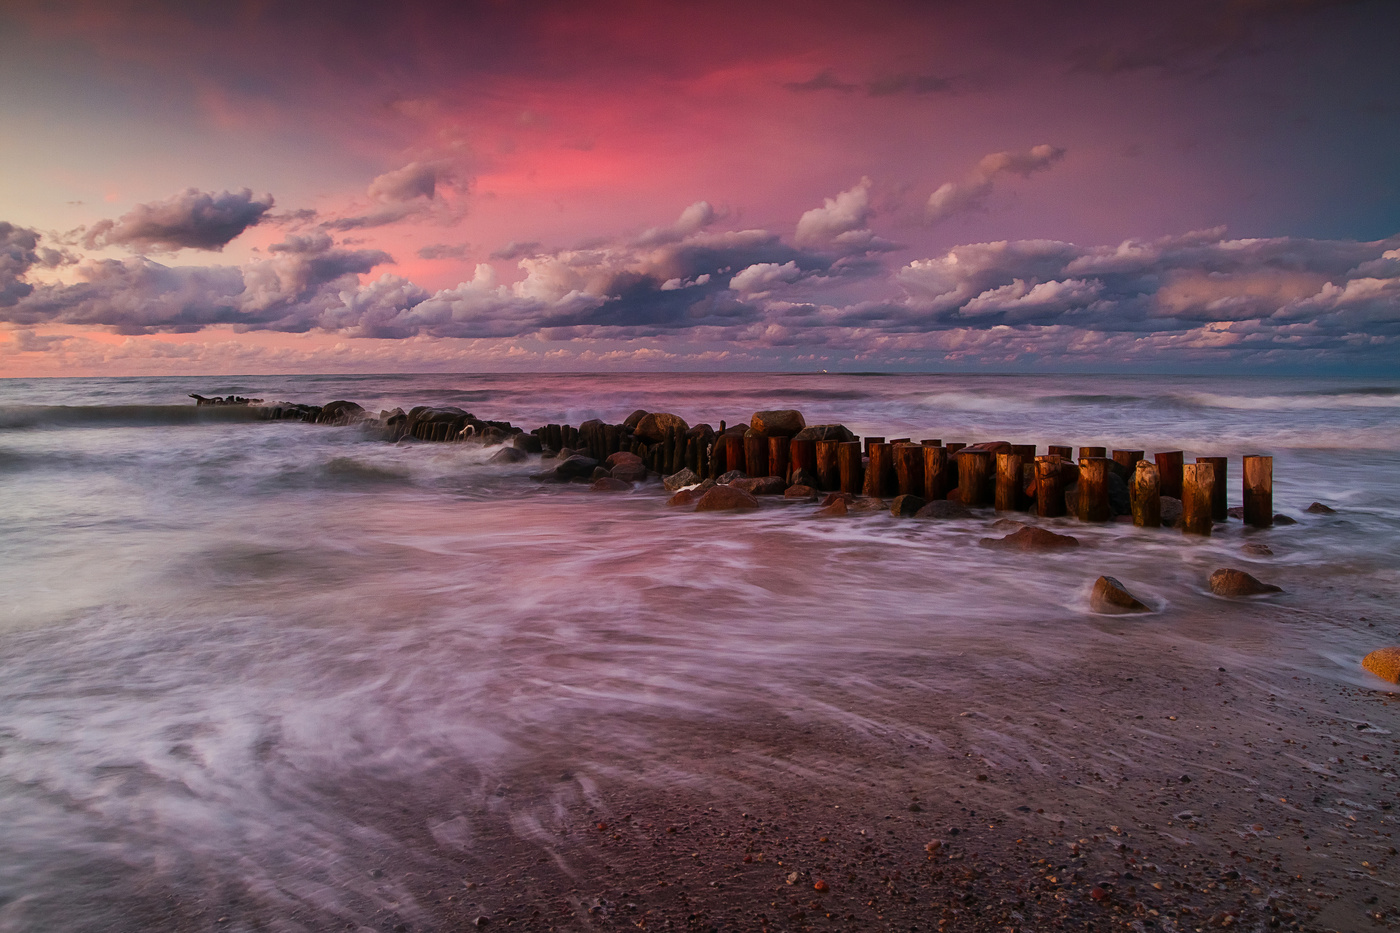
(909, 469)
(932, 442)
(1086, 452)
(778, 457)
(1147, 495)
(849, 464)
(1009, 491)
(1219, 506)
(872, 440)
(734, 458)
(1197, 493)
(678, 462)
(756, 455)
(1169, 463)
(894, 441)
(954, 447)
(976, 480)
(692, 455)
(1057, 450)
(1093, 489)
(702, 458)
(802, 455)
(879, 475)
(1049, 488)
(828, 466)
(935, 472)
(1259, 491)
(1025, 451)
(1127, 462)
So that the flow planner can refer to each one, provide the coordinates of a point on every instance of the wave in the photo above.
(62, 416)
(1355, 398)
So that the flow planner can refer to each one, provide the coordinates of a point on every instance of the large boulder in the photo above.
(1112, 598)
(761, 485)
(508, 455)
(622, 456)
(576, 466)
(684, 477)
(630, 471)
(653, 426)
(609, 484)
(1032, 538)
(944, 508)
(824, 432)
(1384, 663)
(906, 505)
(867, 504)
(634, 419)
(726, 499)
(529, 443)
(784, 422)
(1232, 583)
(339, 410)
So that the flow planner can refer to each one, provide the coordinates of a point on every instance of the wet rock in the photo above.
(805, 478)
(906, 505)
(630, 472)
(1031, 538)
(825, 432)
(1317, 508)
(508, 455)
(634, 419)
(1232, 583)
(1171, 511)
(653, 426)
(610, 484)
(1384, 663)
(761, 485)
(599, 472)
(527, 442)
(1112, 598)
(833, 496)
(800, 492)
(836, 509)
(1257, 550)
(725, 499)
(1118, 502)
(1236, 512)
(336, 411)
(944, 508)
(685, 477)
(731, 476)
(871, 504)
(784, 422)
(576, 466)
(691, 496)
(954, 495)
(622, 456)
(1281, 519)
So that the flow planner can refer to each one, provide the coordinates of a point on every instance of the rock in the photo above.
(508, 455)
(631, 472)
(944, 508)
(954, 495)
(1112, 598)
(761, 485)
(1118, 502)
(805, 478)
(731, 476)
(784, 422)
(610, 484)
(1031, 538)
(335, 411)
(702, 431)
(835, 510)
(634, 419)
(653, 427)
(1007, 524)
(1232, 583)
(685, 497)
(1384, 663)
(564, 453)
(1317, 508)
(527, 442)
(599, 472)
(801, 492)
(1171, 511)
(622, 456)
(906, 505)
(1257, 550)
(824, 432)
(684, 477)
(834, 496)
(1235, 511)
(1281, 519)
(867, 505)
(576, 465)
(724, 499)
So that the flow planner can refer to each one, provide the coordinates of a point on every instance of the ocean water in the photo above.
(216, 636)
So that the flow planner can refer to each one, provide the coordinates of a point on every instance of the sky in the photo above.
(261, 187)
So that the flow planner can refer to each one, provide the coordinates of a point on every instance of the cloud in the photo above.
(971, 194)
(414, 180)
(759, 277)
(883, 86)
(192, 219)
(693, 219)
(516, 250)
(443, 251)
(412, 191)
(847, 213)
(18, 253)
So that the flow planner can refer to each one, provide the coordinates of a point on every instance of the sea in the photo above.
(219, 637)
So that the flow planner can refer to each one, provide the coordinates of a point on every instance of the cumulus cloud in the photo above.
(842, 223)
(18, 253)
(192, 219)
(410, 191)
(971, 194)
(414, 180)
(693, 219)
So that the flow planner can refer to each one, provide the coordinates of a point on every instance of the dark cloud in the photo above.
(18, 253)
(822, 81)
(517, 250)
(192, 219)
(444, 251)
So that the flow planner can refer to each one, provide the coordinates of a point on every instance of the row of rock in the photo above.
(1111, 597)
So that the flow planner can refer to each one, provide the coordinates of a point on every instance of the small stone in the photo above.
(781, 423)
(1112, 598)
(1235, 511)
(610, 484)
(1384, 663)
(820, 885)
(725, 499)
(1257, 550)
(906, 505)
(1281, 519)
(836, 509)
(1317, 508)
(1031, 538)
(833, 496)
(685, 477)
(1099, 894)
(800, 492)
(1232, 583)
(943, 508)
(508, 455)
(731, 476)
(761, 485)
(870, 504)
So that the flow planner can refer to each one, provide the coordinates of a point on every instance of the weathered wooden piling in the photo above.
(802, 455)
(1093, 489)
(909, 469)
(1127, 461)
(1169, 464)
(872, 440)
(778, 448)
(756, 455)
(1147, 495)
(852, 471)
(1059, 450)
(1197, 493)
(828, 464)
(932, 442)
(879, 472)
(1010, 486)
(734, 458)
(1025, 451)
(1049, 486)
(936, 472)
(1258, 491)
(954, 447)
(976, 477)
(1088, 452)
(1219, 503)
